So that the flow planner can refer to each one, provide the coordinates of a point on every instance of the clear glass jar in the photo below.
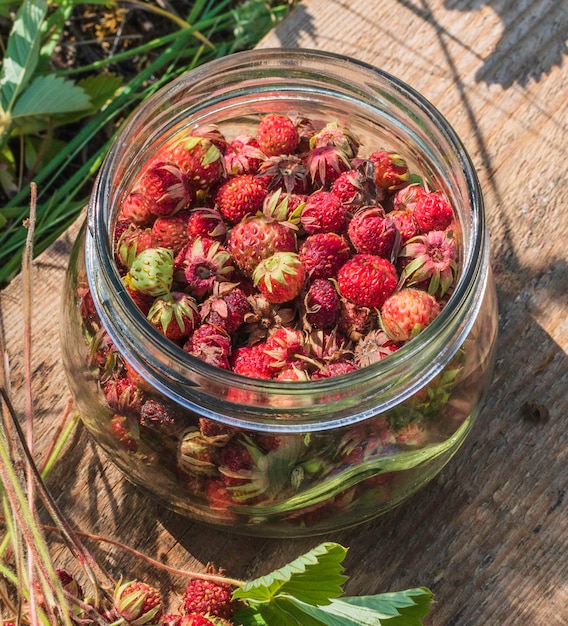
(328, 453)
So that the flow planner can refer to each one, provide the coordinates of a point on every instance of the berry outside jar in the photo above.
(268, 457)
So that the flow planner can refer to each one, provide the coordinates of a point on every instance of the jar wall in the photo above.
(263, 457)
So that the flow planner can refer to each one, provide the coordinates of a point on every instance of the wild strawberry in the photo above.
(355, 321)
(256, 238)
(143, 301)
(284, 346)
(252, 361)
(170, 619)
(123, 396)
(171, 231)
(243, 155)
(210, 343)
(371, 232)
(354, 188)
(406, 197)
(138, 603)
(412, 435)
(166, 188)
(405, 223)
(367, 280)
(280, 278)
(323, 213)
(321, 304)
(325, 164)
(432, 211)
(265, 317)
(332, 134)
(196, 455)
(135, 208)
(373, 347)
(292, 373)
(206, 222)
(240, 196)
(390, 169)
(69, 584)
(408, 312)
(286, 172)
(277, 134)
(334, 369)
(323, 254)
(131, 242)
(206, 597)
(430, 257)
(227, 310)
(160, 416)
(200, 159)
(203, 261)
(175, 315)
(197, 620)
(151, 272)
(215, 433)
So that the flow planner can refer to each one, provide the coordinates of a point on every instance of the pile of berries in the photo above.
(282, 255)
(205, 602)
(246, 250)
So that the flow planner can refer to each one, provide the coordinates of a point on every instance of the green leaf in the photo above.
(50, 95)
(22, 52)
(100, 89)
(404, 608)
(314, 577)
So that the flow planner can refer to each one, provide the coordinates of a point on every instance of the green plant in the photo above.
(58, 119)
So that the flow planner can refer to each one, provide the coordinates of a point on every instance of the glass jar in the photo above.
(322, 454)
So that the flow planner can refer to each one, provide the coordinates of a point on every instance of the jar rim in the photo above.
(165, 364)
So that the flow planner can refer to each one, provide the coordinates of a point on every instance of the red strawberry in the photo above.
(256, 238)
(196, 620)
(391, 170)
(367, 280)
(243, 156)
(211, 344)
(371, 232)
(252, 361)
(240, 196)
(201, 160)
(430, 257)
(136, 209)
(432, 211)
(325, 164)
(123, 396)
(166, 188)
(142, 300)
(280, 278)
(406, 197)
(277, 134)
(323, 213)
(206, 222)
(203, 262)
(373, 347)
(332, 134)
(407, 312)
(406, 224)
(131, 242)
(284, 346)
(196, 455)
(227, 310)
(138, 603)
(354, 187)
(323, 254)
(122, 433)
(160, 416)
(175, 315)
(322, 304)
(334, 369)
(286, 172)
(171, 231)
(355, 321)
(208, 597)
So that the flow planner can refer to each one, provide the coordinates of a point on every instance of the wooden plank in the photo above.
(489, 535)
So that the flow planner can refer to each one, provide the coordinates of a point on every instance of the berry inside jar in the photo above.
(283, 248)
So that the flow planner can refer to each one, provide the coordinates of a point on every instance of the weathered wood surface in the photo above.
(489, 536)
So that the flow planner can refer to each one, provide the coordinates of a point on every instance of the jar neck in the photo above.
(290, 406)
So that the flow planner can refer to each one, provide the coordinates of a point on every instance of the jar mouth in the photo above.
(304, 405)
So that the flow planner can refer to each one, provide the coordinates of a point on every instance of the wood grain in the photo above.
(489, 535)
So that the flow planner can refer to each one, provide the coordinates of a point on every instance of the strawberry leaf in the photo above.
(314, 577)
(50, 95)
